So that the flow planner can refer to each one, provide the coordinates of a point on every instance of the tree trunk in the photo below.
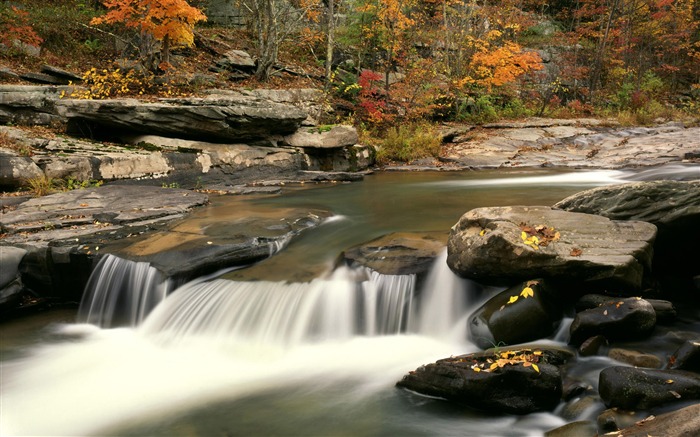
(329, 44)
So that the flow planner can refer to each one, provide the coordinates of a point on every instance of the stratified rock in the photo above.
(214, 118)
(42, 78)
(630, 388)
(680, 423)
(397, 253)
(487, 245)
(61, 74)
(673, 206)
(687, 357)
(336, 137)
(528, 318)
(513, 388)
(625, 319)
(30, 104)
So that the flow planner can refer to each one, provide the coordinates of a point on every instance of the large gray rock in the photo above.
(686, 357)
(630, 388)
(514, 316)
(336, 137)
(10, 279)
(30, 104)
(15, 171)
(673, 206)
(625, 319)
(236, 59)
(487, 245)
(214, 118)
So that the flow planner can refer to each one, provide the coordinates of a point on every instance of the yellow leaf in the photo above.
(476, 369)
(523, 235)
(534, 366)
(513, 299)
(482, 233)
(537, 353)
(493, 366)
(669, 381)
(527, 292)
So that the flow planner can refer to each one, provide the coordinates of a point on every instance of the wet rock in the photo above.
(398, 253)
(665, 310)
(680, 423)
(631, 388)
(513, 388)
(336, 137)
(582, 428)
(634, 358)
(535, 313)
(673, 206)
(591, 346)
(591, 251)
(613, 419)
(626, 319)
(214, 118)
(687, 357)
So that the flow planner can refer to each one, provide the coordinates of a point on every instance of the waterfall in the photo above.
(121, 292)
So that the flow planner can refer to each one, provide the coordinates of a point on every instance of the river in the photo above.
(228, 356)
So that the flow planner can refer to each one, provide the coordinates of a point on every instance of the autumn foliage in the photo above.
(16, 27)
(169, 21)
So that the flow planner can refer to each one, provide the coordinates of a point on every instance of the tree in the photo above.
(169, 22)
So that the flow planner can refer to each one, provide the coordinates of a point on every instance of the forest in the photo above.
(394, 68)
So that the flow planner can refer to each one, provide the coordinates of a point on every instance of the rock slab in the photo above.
(490, 245)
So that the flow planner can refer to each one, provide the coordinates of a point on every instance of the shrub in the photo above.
(409, 142)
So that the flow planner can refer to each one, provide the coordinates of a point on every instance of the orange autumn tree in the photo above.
(170, 22)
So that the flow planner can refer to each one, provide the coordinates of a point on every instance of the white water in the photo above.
(121, 292)
(223, 340)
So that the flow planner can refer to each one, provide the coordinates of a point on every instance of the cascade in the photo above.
(121, 292)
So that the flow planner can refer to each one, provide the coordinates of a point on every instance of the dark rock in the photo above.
(15, 171)
(680, 423)
(687, 357)
(397, 253)
(7, 74)
(526, 319)
(513, 388)
(214, 118)
(673, 206)
(665, 311)
(631, 388)
(11, 286)
(634, 358)
(61, 73)
(626, 319)
(591, 346)
(44, 79)
(487, 245)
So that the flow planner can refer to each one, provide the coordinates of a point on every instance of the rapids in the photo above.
(225, 356)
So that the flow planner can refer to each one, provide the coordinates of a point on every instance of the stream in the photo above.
(267, 350)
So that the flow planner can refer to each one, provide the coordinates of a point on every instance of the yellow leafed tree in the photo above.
(171, 22)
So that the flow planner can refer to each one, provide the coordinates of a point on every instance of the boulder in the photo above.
(686, 357)
(525, 312)
(635, 358)
(625, 319)
(213, 118)
(236, 60)
(631, 388)
(511, 381)
(10, 279)
(505, 244)
(673, 206)
(665, 310)
(684, 422)
(62, 74)
(317, 138)
(397, 253)
(574, 429)
(15, 171)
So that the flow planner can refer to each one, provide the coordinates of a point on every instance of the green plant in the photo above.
(170, 185)
(76, 184)
(409, 142)
(41, 185)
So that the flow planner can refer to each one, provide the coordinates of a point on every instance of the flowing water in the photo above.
(224, 355)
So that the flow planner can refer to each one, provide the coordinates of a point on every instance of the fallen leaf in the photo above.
(669, 381)
(675, 394)
(513, 299)
(527, 292)
(605, 313)
(534, 366)
(576, 252)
